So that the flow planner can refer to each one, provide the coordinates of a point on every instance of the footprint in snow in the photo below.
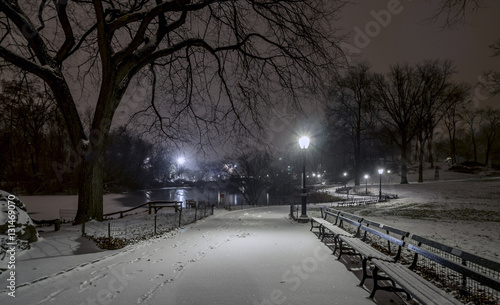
(91, 282)
(157, 276)
(50, 297)
(178, 267)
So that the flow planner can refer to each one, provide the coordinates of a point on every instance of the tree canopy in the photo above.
(215, 61)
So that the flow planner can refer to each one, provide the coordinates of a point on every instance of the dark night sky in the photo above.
(409, 36)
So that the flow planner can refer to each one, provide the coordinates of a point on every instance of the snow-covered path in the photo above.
(255, 256)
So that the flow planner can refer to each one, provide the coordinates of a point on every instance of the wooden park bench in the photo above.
(152, 205)
(43, 223)
(371, 236)
(318, 223)
(157, 205)
(191, 203)
(470, 275)
(345, 224)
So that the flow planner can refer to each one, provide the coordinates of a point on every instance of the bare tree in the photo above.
(490, 129)
(214, 51)
(451, 118)
(456, 11)
(27, 112)
(250, 174)
(438, 92)
(491, 77)
(350, 108)
(398, 98)
(472, 119)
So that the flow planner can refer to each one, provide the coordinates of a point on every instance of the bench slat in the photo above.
(363, 248)
(386, 227)
(390, 238)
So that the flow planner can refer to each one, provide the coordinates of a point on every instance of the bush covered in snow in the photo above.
(16, 227)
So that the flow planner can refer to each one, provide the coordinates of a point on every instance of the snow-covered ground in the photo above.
(254, 256)
(459, 210)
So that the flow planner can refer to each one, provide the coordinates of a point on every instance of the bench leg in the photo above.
(375, 282)
(341, 247)
(376, 278)
(364, 263)
(336, 242)
(346, 250)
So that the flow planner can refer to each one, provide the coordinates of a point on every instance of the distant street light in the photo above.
(366, 184)
(304, 144)
(345, 179)
(380, 171)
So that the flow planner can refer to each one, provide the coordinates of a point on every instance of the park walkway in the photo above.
(254, 256)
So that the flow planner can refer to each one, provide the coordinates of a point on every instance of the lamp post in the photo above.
(366, 184)
(304, 144)
(380, 171)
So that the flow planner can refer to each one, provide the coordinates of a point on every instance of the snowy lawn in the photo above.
(462, 213)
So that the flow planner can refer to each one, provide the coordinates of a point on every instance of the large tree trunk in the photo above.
(357, 157)
(430, 149)
(489, 144)
(404, 161)
(91, 175)
(421, 160)
(474, 145)
(451, 136)
(90, 188)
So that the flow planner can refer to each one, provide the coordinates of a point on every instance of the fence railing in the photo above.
(152, 205)
(470, 290)
(144, 225)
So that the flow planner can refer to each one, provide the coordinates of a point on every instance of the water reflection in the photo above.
(212, 195)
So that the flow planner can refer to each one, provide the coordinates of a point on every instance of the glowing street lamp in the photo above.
(366, 184)
(380, 171)
(304, 144)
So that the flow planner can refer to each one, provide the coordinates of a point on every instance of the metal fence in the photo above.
(466, 289)
(143, 225)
